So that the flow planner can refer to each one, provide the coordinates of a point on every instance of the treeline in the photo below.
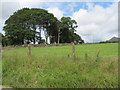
(109, 41)
(25, 26)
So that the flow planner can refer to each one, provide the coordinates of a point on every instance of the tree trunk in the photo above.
(22, 41)
(58, 36)
(50, 39)
(46, 36)
(40, 35)
(46, 40)
(34, 40)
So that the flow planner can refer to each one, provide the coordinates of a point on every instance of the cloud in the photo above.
(8, 8)
(90, 5)
(97, 24)
(56, 11)
(71, 6)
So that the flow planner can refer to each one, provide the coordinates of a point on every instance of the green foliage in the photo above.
(21, 27)
(3, 40)
(67, 29)
(50, 67)
(109, 42)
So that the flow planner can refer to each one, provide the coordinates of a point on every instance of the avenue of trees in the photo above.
(25, 26)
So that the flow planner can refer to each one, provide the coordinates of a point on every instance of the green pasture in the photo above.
(95, 66)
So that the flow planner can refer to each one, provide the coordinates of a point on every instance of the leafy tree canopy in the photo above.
(25, 26)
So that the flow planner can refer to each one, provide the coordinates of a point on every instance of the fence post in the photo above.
(29, 50)
(73, 51)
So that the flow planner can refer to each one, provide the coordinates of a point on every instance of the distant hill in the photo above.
(114, 39)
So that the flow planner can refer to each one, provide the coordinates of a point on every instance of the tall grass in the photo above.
(96, 66)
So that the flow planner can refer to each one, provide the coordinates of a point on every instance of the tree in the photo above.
(16, 27)
(67, 29)
(21, 26)
(3, 40)
(77, 38)
(25, 26)
(1, 35)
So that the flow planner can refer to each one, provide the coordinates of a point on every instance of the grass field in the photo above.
(96, 66)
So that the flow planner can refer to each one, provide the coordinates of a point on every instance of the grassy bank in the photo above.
(96, 66)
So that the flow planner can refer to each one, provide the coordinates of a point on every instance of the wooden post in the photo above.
(29, 50)
(73, 51)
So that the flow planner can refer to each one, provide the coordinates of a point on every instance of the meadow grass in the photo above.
(96, 66)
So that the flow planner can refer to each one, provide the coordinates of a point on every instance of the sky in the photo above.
(97, 21)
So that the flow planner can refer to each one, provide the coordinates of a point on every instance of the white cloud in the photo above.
(64, 0)
(56, 11)
(8, 7)
(90, 5)
(71, 6)
(97, 24)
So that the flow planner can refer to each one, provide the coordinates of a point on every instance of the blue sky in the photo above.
(92, 17)
(66, 6)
